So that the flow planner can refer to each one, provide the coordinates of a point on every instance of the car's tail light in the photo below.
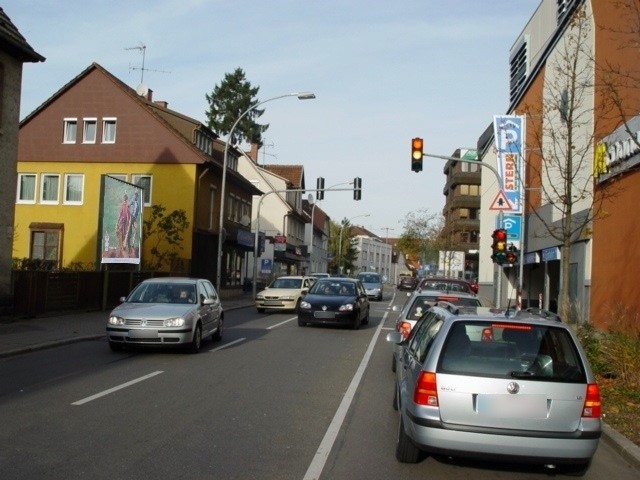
(405, 329)
(426, 392)
(592, 406)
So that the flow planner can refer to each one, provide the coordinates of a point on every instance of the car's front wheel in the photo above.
(197, 340)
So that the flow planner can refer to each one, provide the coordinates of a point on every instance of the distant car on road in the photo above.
(372, 282)
(167, 312)
(490, 383)
(284, 293)
(417, 305)
(421, 300)
(335, 301)
(445, 284)
(407, 282)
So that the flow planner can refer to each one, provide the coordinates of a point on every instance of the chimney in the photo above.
(161, 103)
(149, 95)
(253, 153)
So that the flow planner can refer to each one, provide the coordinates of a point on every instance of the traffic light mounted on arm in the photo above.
(320, 188)
(499, 246)
(357, 188)
(417, 145)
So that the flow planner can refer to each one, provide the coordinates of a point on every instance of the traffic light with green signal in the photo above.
(417, 146)
(499, 246)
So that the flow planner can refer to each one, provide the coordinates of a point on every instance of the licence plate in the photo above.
(143, 333)
(321, 314)
(513, 406)
(273, 302)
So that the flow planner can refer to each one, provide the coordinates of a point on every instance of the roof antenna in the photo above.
(143, 49)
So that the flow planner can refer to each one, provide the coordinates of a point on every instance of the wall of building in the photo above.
(81, 221)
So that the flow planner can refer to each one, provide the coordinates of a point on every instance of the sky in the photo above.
(383, 72)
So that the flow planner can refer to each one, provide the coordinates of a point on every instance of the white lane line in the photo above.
(221, 347)
(282, 323)
(114, 389)
(320, 458)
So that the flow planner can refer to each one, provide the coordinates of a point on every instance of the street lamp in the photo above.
(301, 96)
(340, 240)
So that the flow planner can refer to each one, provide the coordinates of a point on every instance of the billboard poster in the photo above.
(120, 221)
(509, 135)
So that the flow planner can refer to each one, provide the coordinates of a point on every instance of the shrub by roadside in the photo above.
(615, 359)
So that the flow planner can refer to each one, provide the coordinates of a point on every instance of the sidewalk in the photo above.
(23, 335)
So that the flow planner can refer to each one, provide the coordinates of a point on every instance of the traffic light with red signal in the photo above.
(512, 255)
(417, 146)
(499, 246)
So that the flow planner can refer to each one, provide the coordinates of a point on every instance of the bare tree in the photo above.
(560, 159)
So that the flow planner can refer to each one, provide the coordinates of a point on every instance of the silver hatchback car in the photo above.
(490, 384)
(167, 312)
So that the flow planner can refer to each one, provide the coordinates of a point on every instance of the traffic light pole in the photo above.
(257, 225)
(497, 294)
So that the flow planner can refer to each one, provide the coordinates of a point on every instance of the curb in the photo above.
(622, 445)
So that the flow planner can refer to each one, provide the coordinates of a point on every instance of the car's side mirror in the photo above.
(394, 337)
(208, 301)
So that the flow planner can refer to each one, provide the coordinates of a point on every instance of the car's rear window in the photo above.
(511, 350)
(287, 283)
(369, 278)
(445, 286)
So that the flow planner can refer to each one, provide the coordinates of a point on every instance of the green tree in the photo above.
(164, 233)
(423, 236)
(344, 251)
(228, 101)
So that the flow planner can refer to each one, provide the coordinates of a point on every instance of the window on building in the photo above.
(144, 181)
(469, 190)
(26, 188)
(469, 167)
(463, 213)
(519, 66)
(70, 130)
(73, 189)
(50, 187)
(46, 239)
(108, 130)
(119, 176)
(89, 130)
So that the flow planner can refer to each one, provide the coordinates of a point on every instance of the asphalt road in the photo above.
(270, 401)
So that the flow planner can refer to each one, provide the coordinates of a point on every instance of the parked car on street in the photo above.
(372, 282)
(284, 293)
(167, 312)
(335, 301)
(489, 383)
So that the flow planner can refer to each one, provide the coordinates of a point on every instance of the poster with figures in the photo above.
(120, 231)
